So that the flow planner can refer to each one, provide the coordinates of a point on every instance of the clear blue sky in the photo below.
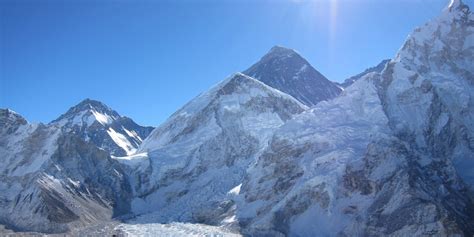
(147, 58)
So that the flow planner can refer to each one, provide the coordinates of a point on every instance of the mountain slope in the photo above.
(287, 71)
(392, 156)
(202, 151)
(338, 170)
(94, 121)
(379, 68)
(429, 89)
(296, 187)
(52, 181)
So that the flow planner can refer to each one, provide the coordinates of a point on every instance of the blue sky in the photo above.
(146, 58)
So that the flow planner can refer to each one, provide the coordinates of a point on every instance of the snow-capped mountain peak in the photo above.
(96, 122)
(87, 112)
(280, 51)
(10, 120)
(217, 134)
(9, 114)
(428, 87)
(50, 178)
(451, 30)
(230, 96)
(287, 71)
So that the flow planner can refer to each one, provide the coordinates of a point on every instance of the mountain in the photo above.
(287, 71)
(202, 151)
(392, 156)
(379, 68)
(96, 122)
(10, 120)
(52, 181)
(309, 175)
(428, 89)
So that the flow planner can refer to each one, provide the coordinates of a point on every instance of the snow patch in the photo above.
(121, 141)
(235, 190)
(104, 119)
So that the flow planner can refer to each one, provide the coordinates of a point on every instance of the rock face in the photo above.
(203, 150)
(379, 68)
(96, 122)
(52, 181)
(287, 71)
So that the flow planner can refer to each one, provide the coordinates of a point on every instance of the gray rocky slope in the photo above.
(285, 70)
(61, 176)
(53, 181)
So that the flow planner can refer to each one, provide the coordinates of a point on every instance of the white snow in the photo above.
(174, 229)
(74, 183)
(86, 118)
(454, 3)
(138, 161)
(235, 190)
(132, 134)
(121, 141)
(104, 119)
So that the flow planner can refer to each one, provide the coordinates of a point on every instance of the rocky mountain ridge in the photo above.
(285, 70)
(96, 122)
(378, 68)
(52, 180)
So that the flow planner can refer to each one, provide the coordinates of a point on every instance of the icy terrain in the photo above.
(174, 229)
(203, 150)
